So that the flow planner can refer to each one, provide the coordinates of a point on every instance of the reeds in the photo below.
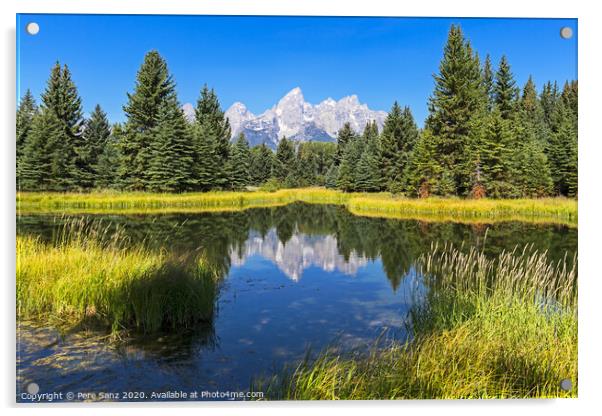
(88, 276)
(553, 210)
(486, 328)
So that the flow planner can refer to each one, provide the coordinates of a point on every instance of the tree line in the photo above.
(484, 136)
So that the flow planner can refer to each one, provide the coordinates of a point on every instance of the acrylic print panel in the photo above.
(267, 208)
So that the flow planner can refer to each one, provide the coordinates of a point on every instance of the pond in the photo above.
(295, 280)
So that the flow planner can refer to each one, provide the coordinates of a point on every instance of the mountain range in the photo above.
(297, 119)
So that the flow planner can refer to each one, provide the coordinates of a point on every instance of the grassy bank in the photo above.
(488, 328)
(552, 210)
(80, 280)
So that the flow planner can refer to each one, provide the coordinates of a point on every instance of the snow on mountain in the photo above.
(301, 121)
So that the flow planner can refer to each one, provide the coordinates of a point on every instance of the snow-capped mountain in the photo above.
(297, 119)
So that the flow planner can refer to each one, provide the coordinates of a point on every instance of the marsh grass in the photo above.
(487, 328)
(90, 276)
(552, 210)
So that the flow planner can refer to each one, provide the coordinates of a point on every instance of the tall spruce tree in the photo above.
(25, 114)
(108, 160)
(504, 89)
(397, 142)
(285, 159)
(154, 86)
(348, 170)
(210, 117)
(262, 159)
(495, 151)
(344, 136)
(488, 81)
(240, 163)
(368, 176)
(93, 141)
(172, 151)
(61, 98)
(424, 172)
(457, 97)
(42, 161)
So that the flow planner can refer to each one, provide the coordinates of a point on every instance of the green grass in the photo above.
(548, 210)
(79, 280)
(489, 328)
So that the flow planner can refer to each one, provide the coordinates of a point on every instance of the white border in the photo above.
(590, 287)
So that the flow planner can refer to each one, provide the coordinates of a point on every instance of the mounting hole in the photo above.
(32, 28)
(33, 388)
(566, 32)
(566, 384)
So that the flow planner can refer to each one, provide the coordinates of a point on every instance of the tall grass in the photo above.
(555, 210)
(488, 328)
(82, 278)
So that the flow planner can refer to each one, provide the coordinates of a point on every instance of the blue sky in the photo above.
(256, 60)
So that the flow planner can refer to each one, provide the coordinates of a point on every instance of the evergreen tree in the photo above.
(172, 151)
(154, 86)
(25, 114)
(548, 100)
(424, 172)
(262, 159)
(348, 179)
(397, 142)
(331, 176)
(488, 79)
(344, 136)
(62, 99)
(108, 160)
(457, 97)
(210, 117)
(42, 164)
(205, 166)
(240, 161)
(285, 159)
(562, 150)
(94, 139)
(368, 177)
(504, 89)
(494, 152)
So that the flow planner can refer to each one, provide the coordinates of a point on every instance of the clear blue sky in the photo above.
(256, 60)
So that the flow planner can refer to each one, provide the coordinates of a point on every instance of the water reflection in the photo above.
(293, 277)
(298, 253)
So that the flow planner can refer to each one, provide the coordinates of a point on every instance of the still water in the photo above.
(296, 280)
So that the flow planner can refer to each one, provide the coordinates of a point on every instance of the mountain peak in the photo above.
(299, 120)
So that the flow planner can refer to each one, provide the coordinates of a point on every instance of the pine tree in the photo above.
(424, 172)
(504, 89)
(548, 99)
(368, 177)
(285, 159)
(562, 150)
(457, 97)
(488, 79)
(262, 159)
(210, 116)
(172, 151)
(344, 136)
(397, 142)
(154, 85)
(42, 163)
(348, 179)
(495, 157)
(25, 114)
(240, 163)
(93, 141)
(108, 160)
(205, 167)
(62, 99)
